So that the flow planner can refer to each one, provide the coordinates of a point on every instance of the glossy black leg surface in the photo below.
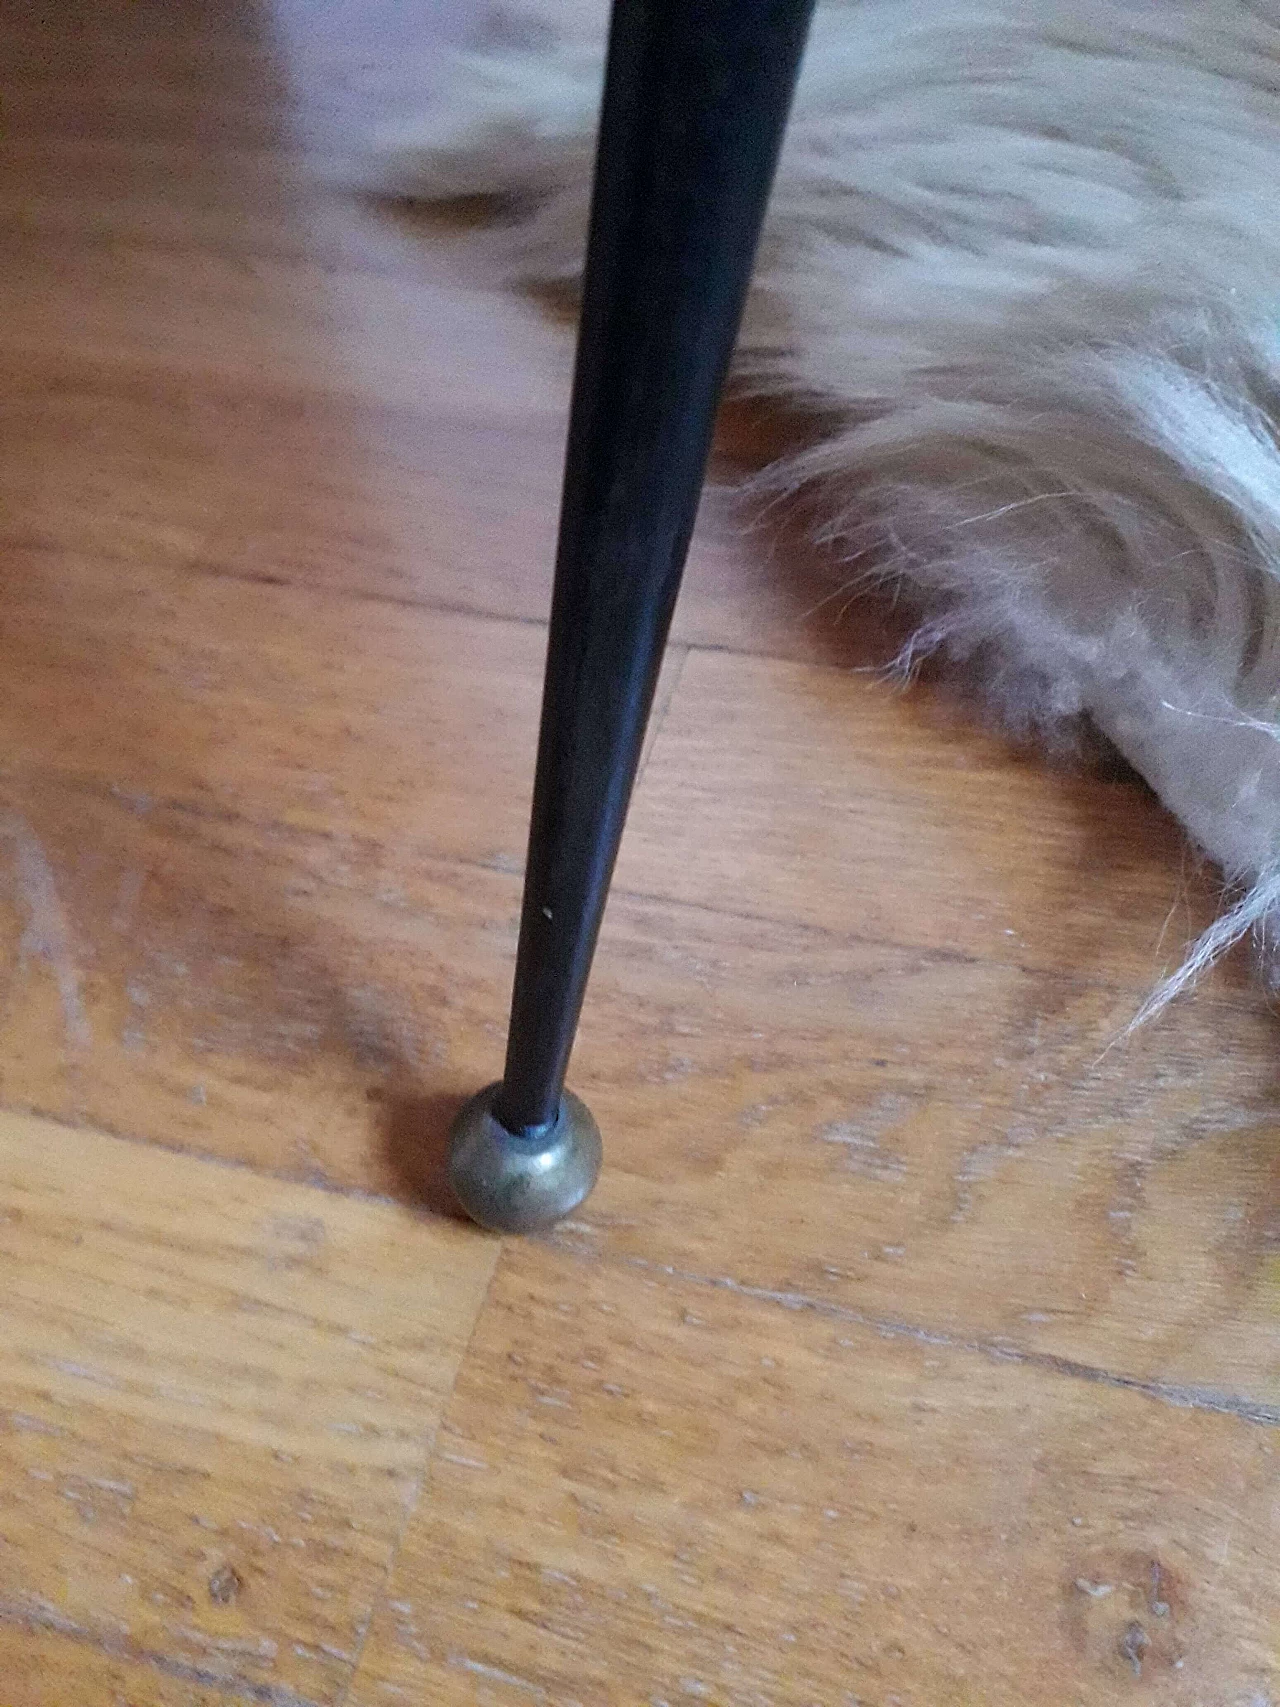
(696, 98)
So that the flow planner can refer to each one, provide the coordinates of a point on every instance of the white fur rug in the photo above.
(1028, 254)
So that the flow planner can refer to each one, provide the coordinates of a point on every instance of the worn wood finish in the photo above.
(277, 498)
(930, 1136)
(218, 1396)
(40, 1668)
(683, 1494)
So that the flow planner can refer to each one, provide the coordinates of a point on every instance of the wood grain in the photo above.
(918, 1346)
(651, 1490)
(368, 721)
(761, 771)
(822, 797)
(444, 494)
(451, 511)
(42, 1668)
(218, 1393)
(929, 1137)
(291, 999)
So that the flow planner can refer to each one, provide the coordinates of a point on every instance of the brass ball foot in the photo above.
(514, 1184)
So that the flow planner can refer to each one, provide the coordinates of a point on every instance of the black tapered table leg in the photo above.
(696, 98)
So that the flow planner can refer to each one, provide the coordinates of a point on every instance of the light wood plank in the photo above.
(91, 192)
(937, 1142)
(218, 1391)
(40, 1669)
(923, 1136)
(213, 356)
(93, 110)
(440, 486)
(308, 1003)
(434, 505)
(349, 717)
(264, 934)
(650, 1491)
(209, 318)
(346, 716)
(824, 798)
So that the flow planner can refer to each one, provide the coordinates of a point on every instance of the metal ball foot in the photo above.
(514, 1184)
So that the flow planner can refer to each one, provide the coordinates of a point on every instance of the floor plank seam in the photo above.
(924, 953)
(424, 1477)
(192, 1153)
(211, 571)
(1179, 1396)
(207, 570)
(996, 1350)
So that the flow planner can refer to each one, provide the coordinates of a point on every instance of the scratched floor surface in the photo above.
(918, 1349)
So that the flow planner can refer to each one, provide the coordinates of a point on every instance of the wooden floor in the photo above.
(918, 1348)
